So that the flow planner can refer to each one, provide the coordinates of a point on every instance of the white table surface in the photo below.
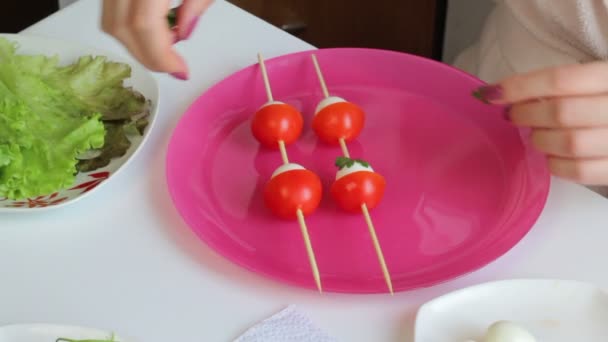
(123, 259)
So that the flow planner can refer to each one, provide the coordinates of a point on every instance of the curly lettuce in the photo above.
(50, 114)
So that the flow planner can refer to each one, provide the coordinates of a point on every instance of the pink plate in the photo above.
(463, 186)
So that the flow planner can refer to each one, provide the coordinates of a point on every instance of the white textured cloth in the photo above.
(525, 35)
(289, 325)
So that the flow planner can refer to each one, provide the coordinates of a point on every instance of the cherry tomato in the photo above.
(289, 191)
(354, 189)
(275, 122)
(339, 120)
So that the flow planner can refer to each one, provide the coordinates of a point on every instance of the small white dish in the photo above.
(552, 310)
(86, 182)
(50, 333)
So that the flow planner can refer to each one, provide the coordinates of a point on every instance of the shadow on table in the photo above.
(187, 242)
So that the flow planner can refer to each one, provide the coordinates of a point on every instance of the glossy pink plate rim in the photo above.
(464, 186)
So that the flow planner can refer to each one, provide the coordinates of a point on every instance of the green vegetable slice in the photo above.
(63, 339)
(342, 162)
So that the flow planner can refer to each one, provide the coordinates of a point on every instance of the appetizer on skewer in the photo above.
(292, 191)
(357, 187)
(335, 120)
(277, 121)
(356, 184)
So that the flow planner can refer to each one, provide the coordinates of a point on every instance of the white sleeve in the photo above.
(63, 3)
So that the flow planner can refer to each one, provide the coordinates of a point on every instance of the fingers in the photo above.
(188, 15)
(583, 171)
(153, 40)
(567, 109)
(141, 26)
(114, 16)
(570, 80)
(566, 112)
(571, 143)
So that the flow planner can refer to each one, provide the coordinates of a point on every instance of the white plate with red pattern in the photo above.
(86, 182)
(52, 333)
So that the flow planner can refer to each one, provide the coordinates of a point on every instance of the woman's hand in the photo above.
(567, 109)
(142, 26)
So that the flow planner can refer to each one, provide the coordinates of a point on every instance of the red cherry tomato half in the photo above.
(339, 120)
(352, 190)
(277, 122)
(292, 190)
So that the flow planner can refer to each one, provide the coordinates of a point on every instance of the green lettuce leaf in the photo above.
(50, 114)
(119, 146)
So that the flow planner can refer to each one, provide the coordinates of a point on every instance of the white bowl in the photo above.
(551, 310)
(141, 80)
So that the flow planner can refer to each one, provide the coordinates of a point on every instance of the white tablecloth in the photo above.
(123, 260)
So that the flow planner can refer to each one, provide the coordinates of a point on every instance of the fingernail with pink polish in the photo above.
(190, 28)
(488, 94)
(180, 75)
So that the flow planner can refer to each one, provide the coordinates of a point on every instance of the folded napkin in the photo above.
(289, 325)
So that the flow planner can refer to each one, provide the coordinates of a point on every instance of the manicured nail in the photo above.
(172, 17)
(488, 94)
(180, 75)
(190, 28)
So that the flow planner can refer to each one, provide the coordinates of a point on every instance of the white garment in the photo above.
(64, 3)
(524, 35)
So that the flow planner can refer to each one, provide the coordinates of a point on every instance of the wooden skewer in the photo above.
(309, 250)
(320, 76)
(300, 214)
(265, 77)
(326, 94)
(283, 152)
(344, 148)
(364, 209)
(270, 99)
(372, 232)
